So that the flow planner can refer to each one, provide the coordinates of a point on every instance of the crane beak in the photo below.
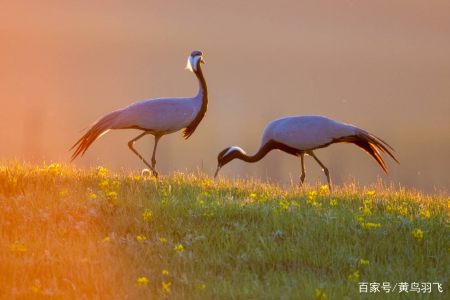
(217, 172)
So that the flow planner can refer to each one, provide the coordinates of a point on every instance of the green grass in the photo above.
(70, 233)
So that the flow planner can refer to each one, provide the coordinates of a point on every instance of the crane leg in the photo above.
(157, 137)
(130, 145)
(302, 177)
(324, 169)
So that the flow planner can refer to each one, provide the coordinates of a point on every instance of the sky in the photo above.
(383, 66)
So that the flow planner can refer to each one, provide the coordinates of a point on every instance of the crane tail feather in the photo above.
(372, 145)
(382, 145)
(99, 128)
(187, 133)
(372, 150)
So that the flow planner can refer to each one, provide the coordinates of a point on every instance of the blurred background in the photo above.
(381, 65)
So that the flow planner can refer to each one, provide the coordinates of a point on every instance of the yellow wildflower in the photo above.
(18, 247)
(360, 219)
(107, 239)
(311, 201)
(317, 205)
(390, 208)
(166, 286)
(284, 204)
(178, 248)
(363, 262)
(312, 194)
(102, 171)
(104, 184)
(320, 295)
(54, 169)
(142, 280)
(111, 195)
(354, 276)
(147, 215)
(367, 202)
(252, 196)
(165, 272)
(367, 211)
(417, 234)
(425, 213)
(323, 189)
(115, 184)
(163, 240)
(371, 193)
(403, 210)
(141, 238)
(206, 182)
(92, 196)
(333, 202)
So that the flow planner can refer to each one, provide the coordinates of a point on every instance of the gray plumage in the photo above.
(300, 135)
(154, 116)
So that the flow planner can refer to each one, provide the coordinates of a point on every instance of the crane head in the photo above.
(194, 60)
(227, 155)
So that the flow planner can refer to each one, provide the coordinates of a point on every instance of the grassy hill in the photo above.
(67, 233)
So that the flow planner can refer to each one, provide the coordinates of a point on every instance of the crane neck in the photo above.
(266, 148)
(202, 89)
(258, 155)
(203, 96)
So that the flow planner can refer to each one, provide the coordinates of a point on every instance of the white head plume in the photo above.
(234, 148)
(192, 63)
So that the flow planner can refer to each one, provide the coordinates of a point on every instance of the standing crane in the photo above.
(157, 117)
(300, 135)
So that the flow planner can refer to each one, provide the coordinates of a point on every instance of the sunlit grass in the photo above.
(70, 233)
